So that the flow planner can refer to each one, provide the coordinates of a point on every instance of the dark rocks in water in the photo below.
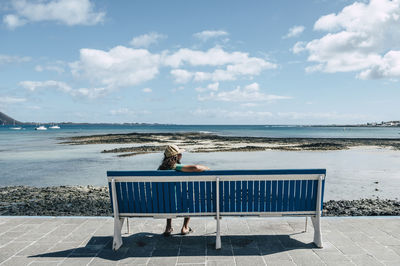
(231, 149)
(95, 201)
(135, 150)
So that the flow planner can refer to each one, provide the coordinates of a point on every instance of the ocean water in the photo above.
(36, 158)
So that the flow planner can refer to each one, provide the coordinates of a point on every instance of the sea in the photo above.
(38, 158)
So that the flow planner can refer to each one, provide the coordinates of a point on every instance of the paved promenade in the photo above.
(245, 241)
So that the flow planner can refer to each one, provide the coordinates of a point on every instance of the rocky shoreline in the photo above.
(206, 142)
(95, 201)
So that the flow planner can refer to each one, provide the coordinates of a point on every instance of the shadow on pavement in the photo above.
(155, 245)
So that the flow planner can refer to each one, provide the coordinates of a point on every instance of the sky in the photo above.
(200, 62)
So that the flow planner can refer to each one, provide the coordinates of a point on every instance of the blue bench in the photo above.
(170, 194)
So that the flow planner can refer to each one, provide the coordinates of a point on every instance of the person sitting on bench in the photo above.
(172, 161)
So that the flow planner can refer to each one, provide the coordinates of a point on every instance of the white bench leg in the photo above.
(117, 241)
(316, 221)
(218, 237)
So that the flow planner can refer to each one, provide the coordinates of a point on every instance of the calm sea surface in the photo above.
(29, 157)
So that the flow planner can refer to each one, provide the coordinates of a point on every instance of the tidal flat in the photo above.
(196, 142)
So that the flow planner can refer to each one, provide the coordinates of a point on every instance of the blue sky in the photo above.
(200, 62)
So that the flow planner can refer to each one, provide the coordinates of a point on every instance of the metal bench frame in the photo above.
(217, 176)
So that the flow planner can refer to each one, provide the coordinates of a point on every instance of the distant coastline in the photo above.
(6, 120)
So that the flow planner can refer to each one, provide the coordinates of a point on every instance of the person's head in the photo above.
(172, 156)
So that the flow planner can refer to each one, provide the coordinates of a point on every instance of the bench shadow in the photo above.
(142, 245)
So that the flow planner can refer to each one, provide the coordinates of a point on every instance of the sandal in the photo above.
(188, 232)
(168, 233)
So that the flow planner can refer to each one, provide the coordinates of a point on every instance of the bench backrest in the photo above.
(257, 192)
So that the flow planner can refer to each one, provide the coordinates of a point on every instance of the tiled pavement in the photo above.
(245, 241)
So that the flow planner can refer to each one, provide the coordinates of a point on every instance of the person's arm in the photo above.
(193, 168)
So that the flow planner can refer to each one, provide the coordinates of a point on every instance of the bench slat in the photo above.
(133, 202)
(190, 198)
(322, 194)
(262, 196)
(292, 185)
(268, 185)
(119, 196)
(149, 200)
(274, 195)
(244, 196)
(203, 196)
(166, 195)
(208, 196)
(142, 197)
(154, 194)
(214, 196)
(172, 196)
(279, 201)
(309, 195)
(238, 201)
(232, 204)
(196, 190)
(111, 196)
(226, 197)
(285, 200)
(256, 196)
(125, 199)
(303, 194)
(250, 197)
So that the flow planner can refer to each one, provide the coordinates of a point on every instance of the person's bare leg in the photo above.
(185, 227)
(168, 228)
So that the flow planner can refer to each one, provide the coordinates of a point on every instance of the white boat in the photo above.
(54, 127)
(41, 128)
(15, 128)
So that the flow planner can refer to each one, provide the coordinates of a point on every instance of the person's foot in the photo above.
(168, 231)
(186, 230)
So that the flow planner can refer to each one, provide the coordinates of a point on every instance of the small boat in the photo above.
(41, 128)
(54, 127)
(15, 127)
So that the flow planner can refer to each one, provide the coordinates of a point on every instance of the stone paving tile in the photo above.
(249, 260)
(82, 241)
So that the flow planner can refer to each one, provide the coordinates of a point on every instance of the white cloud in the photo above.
(236, 64)
(210, 87)
(298, 47)
(8, 59)
(49, 84)
(209, 34)
(119, 67)
(68, 12)
(362, 37)
(13, 21)
(250, 93)
(11, 100)
(294, 31)
(147, 90)
(90, 93)
(181, 75)
(56, 68)
(146, 40)
(63, 87)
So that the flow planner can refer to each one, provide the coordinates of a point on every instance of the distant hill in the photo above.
(6, 120)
